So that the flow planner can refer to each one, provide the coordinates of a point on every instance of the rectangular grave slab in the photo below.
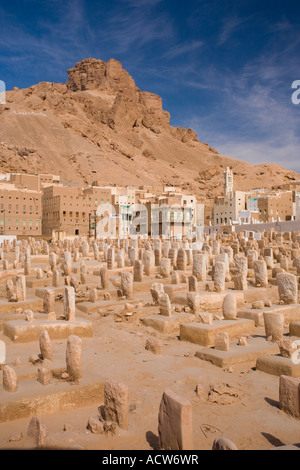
(261, 293)
(198, 333)
(33, 304)
(34, 283)
(39, 259)
(34, 399)
(168, 325)
(291, 313)
(20, 331)
(238, 354)
(90, 307)
(115, 271)
(278, 365)
(60, 290)
(175, 289)
(212, 301)
(14, 316)
(4, 275)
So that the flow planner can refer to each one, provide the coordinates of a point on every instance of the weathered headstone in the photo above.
(127, 285)
(289, 395)
(175, 425)
(74, 357)
(69, 304)
(21, 288)
(219, 276)
(165, 307)
(229, 307)
(116, 403)
(274, 325)
(45, 346)
(287, 288)
(10, 380)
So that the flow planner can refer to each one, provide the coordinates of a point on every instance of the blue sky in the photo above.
(224, 68)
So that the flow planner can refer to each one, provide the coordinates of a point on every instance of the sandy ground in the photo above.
(248, 413)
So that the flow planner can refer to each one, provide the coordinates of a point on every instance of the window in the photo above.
(17, 222)
(9, 221)
(24, 223)
(30, 223)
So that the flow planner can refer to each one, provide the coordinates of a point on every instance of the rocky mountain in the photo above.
(101, 126)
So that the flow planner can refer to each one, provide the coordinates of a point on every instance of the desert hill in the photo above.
(100, 126)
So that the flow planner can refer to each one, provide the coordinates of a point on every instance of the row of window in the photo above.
(17, 228)
(52, 202)
(17, 208)
(221, 220)
(17, 222)
(17, 198)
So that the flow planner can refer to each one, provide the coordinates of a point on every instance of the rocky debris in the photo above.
(201, 392)
(243, 341)
(223, 444)
(154, 345)
(95, 425)
(224, 394)
(35, 359)
(16, 437)
(287, 347)
(258, 305)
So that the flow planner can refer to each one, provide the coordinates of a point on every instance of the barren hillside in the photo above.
(100, 126)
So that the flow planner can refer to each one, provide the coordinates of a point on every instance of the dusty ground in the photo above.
(247, 414)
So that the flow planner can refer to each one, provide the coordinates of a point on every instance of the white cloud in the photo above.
(183, 48)
(230, 26)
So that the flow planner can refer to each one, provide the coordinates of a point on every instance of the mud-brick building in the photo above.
(20, 211)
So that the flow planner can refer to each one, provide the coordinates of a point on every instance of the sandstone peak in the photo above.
(101, 126)
(95, 74)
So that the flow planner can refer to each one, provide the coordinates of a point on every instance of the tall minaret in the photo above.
(228, 182)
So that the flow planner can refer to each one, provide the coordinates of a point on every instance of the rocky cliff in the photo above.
(101, 126)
